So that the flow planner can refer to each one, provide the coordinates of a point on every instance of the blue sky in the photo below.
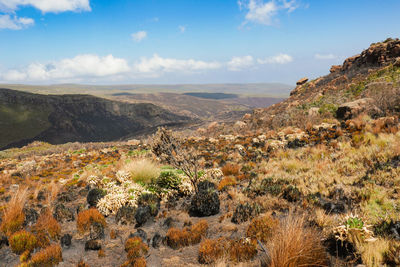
(185, 41)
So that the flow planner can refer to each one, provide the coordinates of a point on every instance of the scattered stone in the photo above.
(94, 196)
(62, 213)
(168, 223)
(92, 245)
(96, 231)
(302, 81)
(206, 201)
(156, 240)
(125, 215)
(397, 62)
(66, 240)
(140, 233)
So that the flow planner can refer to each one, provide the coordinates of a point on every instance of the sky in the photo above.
(185, 41)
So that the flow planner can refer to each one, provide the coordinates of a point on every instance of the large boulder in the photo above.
(206, 201)
(352, 109)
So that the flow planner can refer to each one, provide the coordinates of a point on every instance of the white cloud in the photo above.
(15, 23)
(278, 59)
(262, 12)
(157, 65)
(139, 36)
(239, 63)
(324, 57)
(46, 6)
(182, 29)
(81, 66)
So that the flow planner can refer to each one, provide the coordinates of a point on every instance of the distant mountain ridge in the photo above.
(25, 117)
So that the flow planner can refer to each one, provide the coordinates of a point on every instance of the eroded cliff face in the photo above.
(69, 118)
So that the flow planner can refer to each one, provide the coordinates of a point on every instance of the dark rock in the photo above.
(150, 200)
(244, 212)
(96, 230)
(334, 207)
(296, 143)
(93, 245)
(3, 240)
(156, 240)
(41, 196)
(302, 81)
(140, 233)
(62, 213)
(142, 215)
(352, 109)
(67, 196)
(125, 215)
(291, 194)
(168, 223)
(66, 240)
(342, 249)
(94, 196)
(31, 216)
(205, 202)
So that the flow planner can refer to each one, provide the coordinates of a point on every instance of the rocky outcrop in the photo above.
(353, 109)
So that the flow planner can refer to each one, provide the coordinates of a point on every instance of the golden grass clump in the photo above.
(230, 169)
(87, 217)
(262, 228)
(227, 181)
(14, 216)
(293, 244)
(22, 241)
(177, 238)
(46, 228)
(142, 170)
(47, 257)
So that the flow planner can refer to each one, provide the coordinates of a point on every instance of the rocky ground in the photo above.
(324, 192)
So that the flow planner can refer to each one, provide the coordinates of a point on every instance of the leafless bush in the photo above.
(171, 150)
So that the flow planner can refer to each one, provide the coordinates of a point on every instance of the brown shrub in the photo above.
(81, 263)
(136, 251)
(242, 250)
(197, 231)
(87, 217)
(262, 228)
(230, 169)
(227, 181)
(211, 250)
(22, 241)
(46, 228)
(14, 217)
(293, 244)
(47, 257)
(177, 238)
(237, 250)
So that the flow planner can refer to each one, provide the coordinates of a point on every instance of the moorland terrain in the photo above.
(313, 180)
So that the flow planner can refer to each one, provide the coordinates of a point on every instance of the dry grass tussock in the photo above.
(14, 217)
(142, 170)
(293, 244)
